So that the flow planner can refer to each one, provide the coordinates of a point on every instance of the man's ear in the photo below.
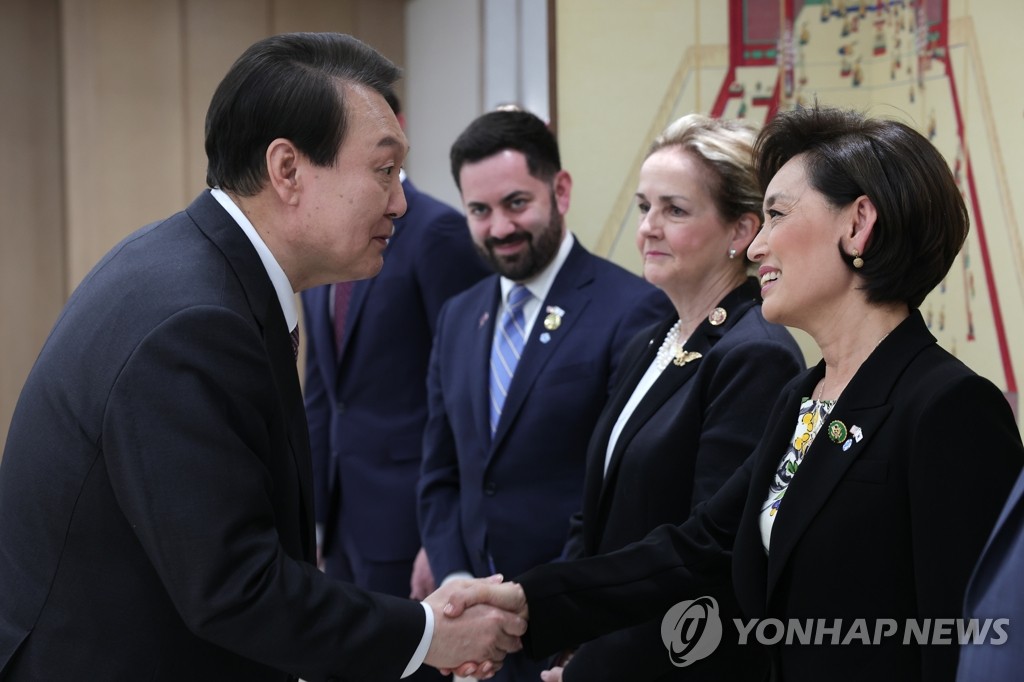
(283, 163)
(562, 184)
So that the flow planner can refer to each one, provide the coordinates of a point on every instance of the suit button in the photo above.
(490, 489)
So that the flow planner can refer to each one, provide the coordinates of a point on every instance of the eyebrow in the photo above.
(514, 195)
(390, 141)
(664, 197)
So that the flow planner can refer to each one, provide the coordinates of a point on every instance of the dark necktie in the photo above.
(295, 341)
(342, 296)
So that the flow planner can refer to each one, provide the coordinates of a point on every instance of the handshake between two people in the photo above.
(476, 624)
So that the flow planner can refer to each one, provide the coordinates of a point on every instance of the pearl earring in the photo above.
(732, 254)
(858, 262)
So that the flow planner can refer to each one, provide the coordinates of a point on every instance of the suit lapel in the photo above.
(704, 337)
(567, 293)
(479, 355)
(749, 550)
(214, 221)
(320, 329)
(361, 289)
(360, 292)
(863, 404)
(595, 477)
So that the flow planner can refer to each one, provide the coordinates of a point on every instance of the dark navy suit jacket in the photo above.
(156, 508)
(996, 591)
(504, 503)
(367, 409)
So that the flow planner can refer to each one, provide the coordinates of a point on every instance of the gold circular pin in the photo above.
(552, 322)
(717, 316)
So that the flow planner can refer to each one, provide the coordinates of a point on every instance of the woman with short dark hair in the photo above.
(864, 506)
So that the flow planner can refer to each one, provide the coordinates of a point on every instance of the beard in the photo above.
(541, 248)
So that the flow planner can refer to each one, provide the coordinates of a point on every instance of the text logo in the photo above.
(691, 630)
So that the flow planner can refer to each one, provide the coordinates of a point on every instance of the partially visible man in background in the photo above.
(368, 345)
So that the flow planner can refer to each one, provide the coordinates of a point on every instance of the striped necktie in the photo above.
(506, 349)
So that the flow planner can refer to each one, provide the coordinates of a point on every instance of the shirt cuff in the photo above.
(421, 651)
(457, 575)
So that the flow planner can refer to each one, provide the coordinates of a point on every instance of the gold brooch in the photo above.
(684, 356)
(553, 319)
(717, 316)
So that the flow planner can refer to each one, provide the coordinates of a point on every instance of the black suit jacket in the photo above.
(695, 426)
(156, 514)
(888, 527)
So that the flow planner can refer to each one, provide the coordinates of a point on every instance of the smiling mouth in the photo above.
(769, 277)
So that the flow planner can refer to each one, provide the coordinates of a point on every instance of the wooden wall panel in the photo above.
(124, 121)
(214, 35)
(31, 191)
(312, 15)
(381, 23)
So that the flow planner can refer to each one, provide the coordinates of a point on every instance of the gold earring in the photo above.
(858, 262)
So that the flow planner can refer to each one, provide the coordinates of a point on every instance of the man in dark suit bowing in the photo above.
(522, 363)
(367, 349)
(156, 515)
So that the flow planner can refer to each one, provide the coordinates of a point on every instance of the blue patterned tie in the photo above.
(506, 349)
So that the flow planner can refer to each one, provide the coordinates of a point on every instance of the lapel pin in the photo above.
(544, 337)
(856, 433)
(717, 316)
(837, 431)
(483, 320)
(553, 319)
(685, 356)
(848, 444)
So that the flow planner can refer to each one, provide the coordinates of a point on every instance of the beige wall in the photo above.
(32, 248)
(670, 57)
(104, 105)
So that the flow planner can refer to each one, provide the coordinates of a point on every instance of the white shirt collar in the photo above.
(282, 286)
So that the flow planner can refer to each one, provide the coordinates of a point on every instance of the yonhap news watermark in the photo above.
(692, 630)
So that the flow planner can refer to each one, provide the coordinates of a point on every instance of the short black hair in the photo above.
(287, 86)
(497, 131)
(922, 219)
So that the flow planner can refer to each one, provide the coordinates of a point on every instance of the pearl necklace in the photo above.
(671, 347)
